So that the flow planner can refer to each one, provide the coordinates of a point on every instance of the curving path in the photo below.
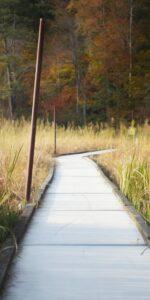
(81, 243)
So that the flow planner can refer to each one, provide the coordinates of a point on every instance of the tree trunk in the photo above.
(74, 47)
(9, 83)
(84, 104)
(10, 97)
(130, 48)
(77, 89)
(84, 112)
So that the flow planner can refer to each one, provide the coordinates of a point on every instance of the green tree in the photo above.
(18, 28)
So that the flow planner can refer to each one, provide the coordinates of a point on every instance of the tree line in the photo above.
(96, 59)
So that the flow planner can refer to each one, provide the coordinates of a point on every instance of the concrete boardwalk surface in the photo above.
(81, 243)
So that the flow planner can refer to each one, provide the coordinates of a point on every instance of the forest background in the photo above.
(96, 60)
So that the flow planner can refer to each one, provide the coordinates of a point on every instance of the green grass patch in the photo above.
(8, 217)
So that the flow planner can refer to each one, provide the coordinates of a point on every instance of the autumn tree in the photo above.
(95, 59)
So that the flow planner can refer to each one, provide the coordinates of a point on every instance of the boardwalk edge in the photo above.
(8, 248)
(141, 223)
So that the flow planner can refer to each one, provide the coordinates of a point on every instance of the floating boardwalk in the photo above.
(81, 243)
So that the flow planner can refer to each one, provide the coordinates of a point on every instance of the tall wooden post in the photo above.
(35, 107)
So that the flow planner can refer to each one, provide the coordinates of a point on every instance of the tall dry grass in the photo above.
(14, 143)
(129, 166)
(84, 139)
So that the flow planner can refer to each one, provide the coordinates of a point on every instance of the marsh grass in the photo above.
(83, 139)
(14, 143)
(129, 166)
(8, 217)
